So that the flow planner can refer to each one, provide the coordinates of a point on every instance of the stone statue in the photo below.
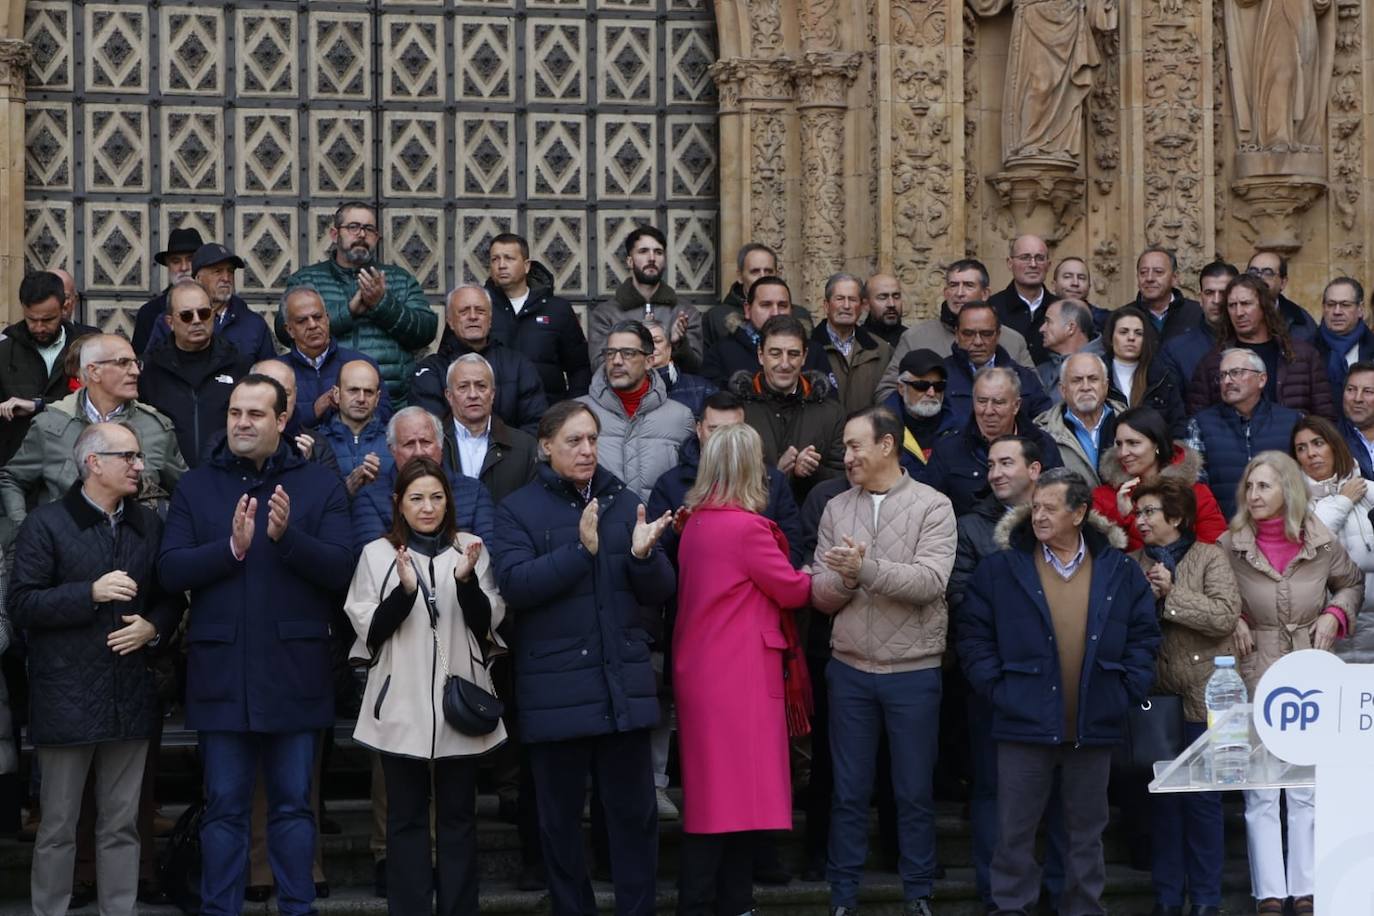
(1049, 74)
(1280, 54)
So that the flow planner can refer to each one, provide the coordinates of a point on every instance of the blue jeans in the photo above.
(1188, 842)
(983, 808)
(861, 705)
(231, 765)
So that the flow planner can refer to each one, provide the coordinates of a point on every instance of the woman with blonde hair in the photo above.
(733, 636)
(1299, 589)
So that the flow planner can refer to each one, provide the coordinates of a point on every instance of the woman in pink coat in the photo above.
(736, 589)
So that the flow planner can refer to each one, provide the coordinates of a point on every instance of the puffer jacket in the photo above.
(1007, 649)
(519, 397)
(46, 460)
(23, 374)
(403, 703)
(1229, 441)
(1350, 523)
(808, 416)
(856, 377)
(581, 654)
(1185, 465)
(81, 692)
(1197, 619)
(547, 330)
(896, 620)
(1070, 449)
(401, 323)
(1282, 607)
(638, 449)
(1302, 384)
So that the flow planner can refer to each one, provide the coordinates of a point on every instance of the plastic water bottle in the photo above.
(1230, 745)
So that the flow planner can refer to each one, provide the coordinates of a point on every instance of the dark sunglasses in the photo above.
(923, 386)
(187, 314)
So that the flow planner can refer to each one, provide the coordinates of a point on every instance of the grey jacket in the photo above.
(638, 449)
(46, 460)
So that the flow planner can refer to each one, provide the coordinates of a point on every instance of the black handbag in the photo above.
(468, 707)
(1153, 731)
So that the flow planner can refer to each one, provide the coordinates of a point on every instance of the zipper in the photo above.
(381, 697)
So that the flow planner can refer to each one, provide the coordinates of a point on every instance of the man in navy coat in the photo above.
(259, 536)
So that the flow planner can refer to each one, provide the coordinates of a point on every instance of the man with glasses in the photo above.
(1343, 337)
(1170, 311)
(975, 349)
(213, 267)
(1244, 424)
(189, 375)
(920, 402)
(44, 469)
(1272, 268)
(1021, 306)
(376, 308)
(642, 429)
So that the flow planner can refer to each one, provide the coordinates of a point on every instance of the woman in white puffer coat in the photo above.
(1342, 499)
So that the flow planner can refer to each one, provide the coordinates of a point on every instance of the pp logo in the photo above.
(1294, 707)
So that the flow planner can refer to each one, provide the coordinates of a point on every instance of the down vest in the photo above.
(896, 620)
(1007, 648)
(389, 332)
(81, 692)
(1229, 441)
(638, 449)
(581, 655)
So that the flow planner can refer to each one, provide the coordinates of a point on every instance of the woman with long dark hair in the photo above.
(1134, 376)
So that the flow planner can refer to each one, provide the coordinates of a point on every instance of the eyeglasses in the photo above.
(923, 385)
(974, 332)
(1234, 374)
(359, 228)
(131, 457)
(186, 315)
(1267, 273)
(119, 362)
(1032, 258)
(1340, 304)
(623, 353)
(1148, 511)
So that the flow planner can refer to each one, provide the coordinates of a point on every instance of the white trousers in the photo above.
(1269, 877)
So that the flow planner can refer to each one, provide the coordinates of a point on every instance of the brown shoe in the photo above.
(1270, 906)
(1302, 906)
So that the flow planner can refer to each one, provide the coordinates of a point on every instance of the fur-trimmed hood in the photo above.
(1014, 531)
(1185, 465)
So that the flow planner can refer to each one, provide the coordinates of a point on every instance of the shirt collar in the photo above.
(844, 346)
(95, 416)
(1072, 419)
(1066, 570)
(461, 431)
(1033, 303)
(114, 518)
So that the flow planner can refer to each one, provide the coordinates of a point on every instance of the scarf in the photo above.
(630, 399)
(1339, 347)
(1171, 554)
(424, 544)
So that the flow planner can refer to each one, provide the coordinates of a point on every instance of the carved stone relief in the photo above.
(1346, 141)
(823, 81)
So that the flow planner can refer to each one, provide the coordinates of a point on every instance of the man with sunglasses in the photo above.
(213, 266)
(188, 376)
(920, 402)
(379, 309)
(44, 466)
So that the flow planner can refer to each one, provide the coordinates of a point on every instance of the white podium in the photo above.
(1311, 723)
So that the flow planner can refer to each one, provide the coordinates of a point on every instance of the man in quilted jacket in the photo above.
(884, 554)
(377, 308)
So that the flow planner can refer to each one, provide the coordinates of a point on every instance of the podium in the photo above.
(1311, 724)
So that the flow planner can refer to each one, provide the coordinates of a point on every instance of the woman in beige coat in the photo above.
(1299, 590)
(424, 605)
(1195, 592)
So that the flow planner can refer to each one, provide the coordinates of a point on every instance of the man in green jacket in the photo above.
(373, 307)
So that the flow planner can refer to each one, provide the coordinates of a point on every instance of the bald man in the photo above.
(1021, 306)
(882, 300)
(357, 430)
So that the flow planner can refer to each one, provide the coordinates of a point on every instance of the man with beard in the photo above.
(213, 266)
(642, 295)
(883, 303)
(181, 245)
(32, 354)
(376, 308)
(920, 403)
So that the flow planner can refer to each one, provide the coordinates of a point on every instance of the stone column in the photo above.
(823, 79)
(15, 56)
(1348, 129)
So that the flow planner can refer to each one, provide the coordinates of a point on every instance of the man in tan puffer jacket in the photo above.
(884, 555)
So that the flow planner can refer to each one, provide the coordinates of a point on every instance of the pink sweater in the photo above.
(1279, 551)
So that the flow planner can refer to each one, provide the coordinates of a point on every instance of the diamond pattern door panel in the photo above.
(569, 121)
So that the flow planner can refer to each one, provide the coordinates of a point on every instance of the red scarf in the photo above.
(631, 399)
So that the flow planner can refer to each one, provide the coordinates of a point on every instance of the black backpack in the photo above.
(179, 865)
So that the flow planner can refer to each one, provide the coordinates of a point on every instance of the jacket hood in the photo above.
(1185, 465)
(749, 386)
(1014, 531)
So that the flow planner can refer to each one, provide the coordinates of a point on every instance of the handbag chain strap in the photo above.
(432, 602)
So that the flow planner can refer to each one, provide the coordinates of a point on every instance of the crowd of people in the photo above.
(970, 544)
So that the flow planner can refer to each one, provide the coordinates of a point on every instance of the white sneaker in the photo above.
(667, 811)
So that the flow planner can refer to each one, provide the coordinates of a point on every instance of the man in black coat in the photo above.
(1021, 306)
(189, 374)
(32, 357)
(86, 593)
(527, 316)
(768, 297)
(519, 394)
(1172, 314)
(1272, 268)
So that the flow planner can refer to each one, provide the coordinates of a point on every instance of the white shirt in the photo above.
(1033, 304)
(54, 349)
(472, 450)
(877, 502)
(1125, 375)
(518, 302)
